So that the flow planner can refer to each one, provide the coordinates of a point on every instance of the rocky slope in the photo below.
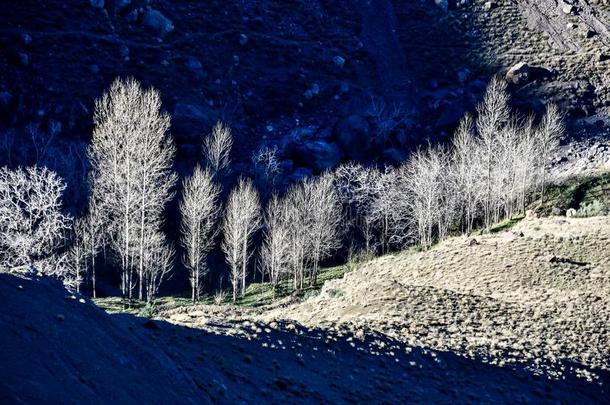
(538, 294)
(311, 78)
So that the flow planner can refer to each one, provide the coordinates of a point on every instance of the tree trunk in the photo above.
(93, 275)
(244, 264)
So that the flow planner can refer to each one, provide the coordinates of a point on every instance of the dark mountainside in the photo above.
(323, 81)
(60, 348)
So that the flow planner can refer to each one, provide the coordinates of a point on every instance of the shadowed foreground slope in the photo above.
(56, 348)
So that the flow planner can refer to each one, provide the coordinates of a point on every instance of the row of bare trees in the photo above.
(494, 165)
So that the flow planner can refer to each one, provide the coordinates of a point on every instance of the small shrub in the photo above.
(311, 294)
(149, 310)
(220, 297)
(592, 209)
(333, 292)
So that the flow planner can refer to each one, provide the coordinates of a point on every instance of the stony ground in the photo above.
(538, 294)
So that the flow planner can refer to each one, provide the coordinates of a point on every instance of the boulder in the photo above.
(489, 5)
(300, 174)
(5, 99)
(339, 60)
(464, 74)
(189, 121)
(569, 9)
(157, 22)
(556, 211)
(571, 213)
(472, 242)
(120, 5)
(394, 155)
(97, 3)
(23, 59)
(193, 63)
(133, 16)
(353, 134)
(320, 155)
(450, 114)
(26, 39)
(589, 33)
(522, 73)
(518, 74)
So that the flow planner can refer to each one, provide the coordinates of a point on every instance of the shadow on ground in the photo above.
(56, 348)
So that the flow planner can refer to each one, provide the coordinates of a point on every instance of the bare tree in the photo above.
(390, 208)
(358, 189)
(32, 226)
(465, 160)
(275, 252)
(78, 253)
(159, 263)
(242, 219)
(297, 219)
(217, 148)
(549, 132)
(493, 113)
(267, 169)
(425, 171)
(199, 209)
(323, 210)
(131, 156)
(94, 240)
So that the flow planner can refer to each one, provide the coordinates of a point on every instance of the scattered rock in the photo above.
(314, 90)
(5, 99)
(133, 16)
(472, 242)
(156, 21)
(394, 155)
(531, 214)
(490, 5)
(60, 317)
(589, 33)
(464, 75)
(97, 3)
(124, 52)
(189, 119)
(26, 39)
(522, 73)
(518, 74)
(320, 155)
(243, 39)
(23, 59)
(555, 211)
(569, 9)
(339, 61)
(300, 174)
(180, 317)
(193, 63)
(120, 5)
(353, 134)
